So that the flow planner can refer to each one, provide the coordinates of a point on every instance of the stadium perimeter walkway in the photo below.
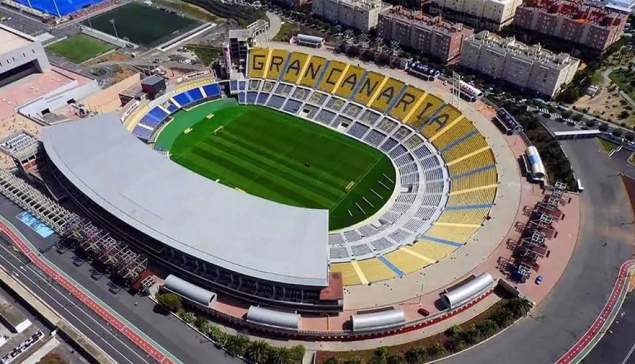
(119, 323)
(475, 252)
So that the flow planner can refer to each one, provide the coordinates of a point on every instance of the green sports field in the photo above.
(79, 48)
(281, 158)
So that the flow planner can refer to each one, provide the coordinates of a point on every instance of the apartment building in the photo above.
(484, 14)
(359, 14)
(588, 24)
(527, 66)
(423, 33)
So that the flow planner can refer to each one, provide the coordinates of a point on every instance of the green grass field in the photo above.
(281, 158)
(142, 24)
(79, 48)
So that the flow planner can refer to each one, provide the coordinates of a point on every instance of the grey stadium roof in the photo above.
(230, 229)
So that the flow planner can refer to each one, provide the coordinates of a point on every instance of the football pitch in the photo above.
(79, 48)
(282, 158)
(141, 24)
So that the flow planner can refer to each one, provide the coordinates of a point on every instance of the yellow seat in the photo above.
(426, 108)
(466, 217)
(476, 197)
(351, 78)
(469, 145)
(349, 275)
(295, 66)
(388, 94)
(406, 262)
(374, 270)
(432, 250)
(482, 159)
(369, 87)
(452, 233)
(455, 132)
(483, 178)
(406, 103)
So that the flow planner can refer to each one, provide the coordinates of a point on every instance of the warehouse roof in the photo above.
(212, 222)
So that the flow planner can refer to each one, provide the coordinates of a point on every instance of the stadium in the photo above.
(420, 182)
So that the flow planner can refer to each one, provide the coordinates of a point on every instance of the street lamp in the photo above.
(112, 21)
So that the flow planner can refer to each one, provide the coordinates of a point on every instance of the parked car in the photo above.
(538, 280)
(423, 312)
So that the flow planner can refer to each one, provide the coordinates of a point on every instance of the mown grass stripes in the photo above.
(282, 158)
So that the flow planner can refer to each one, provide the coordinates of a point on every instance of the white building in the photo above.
(526, 66)
(20, 55)
(359, 14)
(489, 14)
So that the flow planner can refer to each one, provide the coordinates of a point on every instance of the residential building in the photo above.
(423, 33)
(20, 55)
(589, 24)
(358, 14)
(483, 14)
(527, 66)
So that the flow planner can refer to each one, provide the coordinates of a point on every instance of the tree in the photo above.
(577, 117)
(455, 344)
(472, 336)
(52, 358)
(258, 351)
(398, 358)
(297, 352)
(567, 114)
(200, 323)
(503, 317)
(603, 127)
(590, 123)
(237, 345)
(629, 136)
(416, 355)
(617, 132)
(354, 360)
(436, 350)
(487, 328)
(332, 360)
(188, 317)
(624, 114)
(170, 301)
(520, 306)
(280, 355)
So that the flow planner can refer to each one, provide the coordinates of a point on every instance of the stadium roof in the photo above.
(212, 222)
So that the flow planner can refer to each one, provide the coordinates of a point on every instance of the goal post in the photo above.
(217, 130)
(349, 186)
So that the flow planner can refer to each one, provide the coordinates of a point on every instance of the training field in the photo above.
(79, 48)
(281, 158)
(142, 24)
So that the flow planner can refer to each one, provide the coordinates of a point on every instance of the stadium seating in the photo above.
(473, 197)
(405, 122)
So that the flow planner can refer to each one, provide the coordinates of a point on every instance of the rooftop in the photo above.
(582, 11)
(417, 17)
(511, 45)
(11, 39)
(12, 315)
(230, 229)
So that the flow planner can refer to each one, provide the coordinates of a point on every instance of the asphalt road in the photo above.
(578, 297)
(166, 330)
(22, 22)
(92, 325)
(618, 344)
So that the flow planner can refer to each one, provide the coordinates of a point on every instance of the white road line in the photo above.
(76, 306)
(630, 352)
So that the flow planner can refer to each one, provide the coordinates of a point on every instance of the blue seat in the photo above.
(195, 94)
(182, 98)
(212, 90)
(142, 133)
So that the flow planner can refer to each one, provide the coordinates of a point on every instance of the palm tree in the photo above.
(354, 360)
(520, 306)
(257, 351)
(280, 355)
(416, 355)
(398, 358)
(436, 350)
(297, 352)
(237, 345)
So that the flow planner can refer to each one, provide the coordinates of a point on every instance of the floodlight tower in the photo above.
(395, 51)
(380, 47)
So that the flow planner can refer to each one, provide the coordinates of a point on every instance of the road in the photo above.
(166, 330)
(577, 299)
(88, 322)
(23, 22)
(617, 345)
